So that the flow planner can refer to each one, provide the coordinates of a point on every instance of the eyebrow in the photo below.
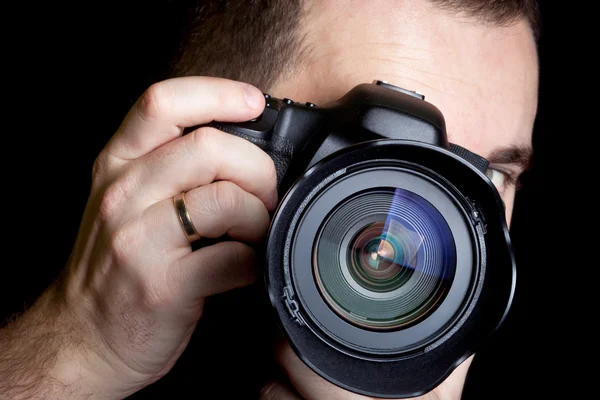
(520, 156)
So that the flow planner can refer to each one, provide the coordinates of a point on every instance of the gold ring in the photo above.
(184, 217)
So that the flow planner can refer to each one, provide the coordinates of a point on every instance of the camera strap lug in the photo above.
(476, 215)
(292, 305)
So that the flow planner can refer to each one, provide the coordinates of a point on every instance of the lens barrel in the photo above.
(388, 263)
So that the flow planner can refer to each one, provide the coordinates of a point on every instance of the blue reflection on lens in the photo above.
(385, 258)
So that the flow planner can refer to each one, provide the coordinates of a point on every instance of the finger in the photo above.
(214, 269)
(200, 158)
(278, 391)
(310, 385)
(166, 107)
(215, 210)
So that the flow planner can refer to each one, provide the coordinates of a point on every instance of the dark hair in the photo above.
(253, 41)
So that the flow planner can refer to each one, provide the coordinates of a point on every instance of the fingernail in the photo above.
(253, 96)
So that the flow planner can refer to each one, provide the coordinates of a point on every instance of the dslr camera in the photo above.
(388, 260)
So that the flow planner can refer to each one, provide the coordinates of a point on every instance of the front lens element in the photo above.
(379, 256)
(384, 259)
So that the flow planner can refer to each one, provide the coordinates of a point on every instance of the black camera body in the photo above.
(388, 260)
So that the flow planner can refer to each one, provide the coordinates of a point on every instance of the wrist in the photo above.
(48, 353)
(85, 362)
(32, 347)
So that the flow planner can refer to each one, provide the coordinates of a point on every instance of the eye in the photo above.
(499, 179)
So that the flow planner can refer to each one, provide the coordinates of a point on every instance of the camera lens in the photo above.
(387, 264)
(384, 259)
(380, 256)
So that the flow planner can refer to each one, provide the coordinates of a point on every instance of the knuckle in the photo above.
(202, 145)
(123, 244)
(106, 165)
(157, 100)
(115, 197)
(110, 203)
(227, 198)
(203, 141)
(99, 167)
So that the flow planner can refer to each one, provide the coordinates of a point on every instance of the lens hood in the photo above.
(410, 360)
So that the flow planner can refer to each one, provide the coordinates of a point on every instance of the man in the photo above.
(132, 293)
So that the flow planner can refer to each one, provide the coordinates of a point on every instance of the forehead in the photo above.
(485, 82)
(483, 78)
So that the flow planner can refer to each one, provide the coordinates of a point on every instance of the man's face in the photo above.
(484, 79)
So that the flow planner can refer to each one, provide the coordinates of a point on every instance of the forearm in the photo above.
(40, 354)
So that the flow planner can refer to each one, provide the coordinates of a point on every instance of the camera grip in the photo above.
(278, 148)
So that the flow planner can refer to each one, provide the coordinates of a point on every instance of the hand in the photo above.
(308, 385)
(133, 290)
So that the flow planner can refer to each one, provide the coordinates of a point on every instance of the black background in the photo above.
(70, 75)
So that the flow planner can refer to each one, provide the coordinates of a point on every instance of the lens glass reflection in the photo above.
(384, 259)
